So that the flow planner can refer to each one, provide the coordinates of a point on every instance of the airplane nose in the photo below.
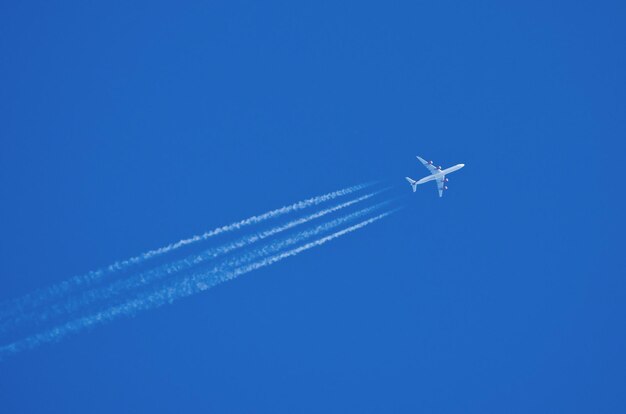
(462, 165)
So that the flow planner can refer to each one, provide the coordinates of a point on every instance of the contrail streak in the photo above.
(252, 220)
(38, 298)
(278, 257)
(167, 295)
(100, 294)
(199, 279)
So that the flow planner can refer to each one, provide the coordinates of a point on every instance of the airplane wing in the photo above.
(429, 165)
(441, 185)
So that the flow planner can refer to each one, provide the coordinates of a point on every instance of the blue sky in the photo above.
(129, 126)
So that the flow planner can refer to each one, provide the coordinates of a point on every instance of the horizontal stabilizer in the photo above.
(412, 182)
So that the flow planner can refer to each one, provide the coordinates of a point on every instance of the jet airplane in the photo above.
(436, 174)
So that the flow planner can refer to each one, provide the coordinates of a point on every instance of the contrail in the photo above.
(167, 295)
(100, 294)
(38, 298)
(278, 257)
(180, 287)
(251, 220)
(202, 280)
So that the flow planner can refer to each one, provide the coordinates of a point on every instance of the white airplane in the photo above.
(436, 173)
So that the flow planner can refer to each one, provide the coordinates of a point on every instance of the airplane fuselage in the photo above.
(441, 173)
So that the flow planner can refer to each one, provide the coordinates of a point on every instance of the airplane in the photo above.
(436, 173)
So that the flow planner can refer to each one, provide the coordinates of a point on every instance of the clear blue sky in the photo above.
(128, 126)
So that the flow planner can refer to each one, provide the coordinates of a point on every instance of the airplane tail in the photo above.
(412, 182)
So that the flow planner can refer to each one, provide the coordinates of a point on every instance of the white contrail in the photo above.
(206, 279)
(38, 298)
(100, 294)
(252, 220)
(167, 295)
(278, 257)
(200, 278)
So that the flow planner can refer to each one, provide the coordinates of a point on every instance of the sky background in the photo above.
(126, 127)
